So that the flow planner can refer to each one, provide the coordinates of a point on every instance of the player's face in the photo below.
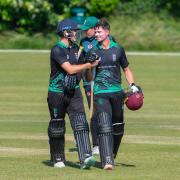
(101, 34)
(90, 32)
(73, 35)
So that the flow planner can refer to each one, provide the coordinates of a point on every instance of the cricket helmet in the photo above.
(66, 24)
(135, 100)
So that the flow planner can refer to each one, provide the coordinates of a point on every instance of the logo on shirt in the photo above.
(76, 55)
(114, 57)
(67, 56)
(90, 46)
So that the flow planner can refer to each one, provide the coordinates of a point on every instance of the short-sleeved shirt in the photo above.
(108, 71)
(88, 43)
(61, 53)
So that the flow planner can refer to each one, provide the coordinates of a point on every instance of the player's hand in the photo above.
(91, 56)
(95, 63)
(91, 65)
(134, 88)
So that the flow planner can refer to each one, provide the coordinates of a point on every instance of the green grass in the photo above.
(14, 40)
(151, 144)
(146, 33)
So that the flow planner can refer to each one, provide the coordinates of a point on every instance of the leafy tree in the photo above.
(26, 15)
(42, 16)
(102, 7)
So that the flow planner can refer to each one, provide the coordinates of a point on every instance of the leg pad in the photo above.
(105, 138)
(56, 128)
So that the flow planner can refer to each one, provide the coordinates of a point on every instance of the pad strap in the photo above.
(118, 128)
(56, 128)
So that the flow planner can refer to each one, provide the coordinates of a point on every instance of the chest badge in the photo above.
(76, 55)
(67, 56)
(114, 57)
(90, 46)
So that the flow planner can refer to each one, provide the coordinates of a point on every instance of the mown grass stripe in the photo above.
(138, 139)
(27, 151)
(135, 53)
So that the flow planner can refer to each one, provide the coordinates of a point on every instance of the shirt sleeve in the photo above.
(123, 59)
(58, 55)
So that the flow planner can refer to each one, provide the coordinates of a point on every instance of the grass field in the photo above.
(151, 146)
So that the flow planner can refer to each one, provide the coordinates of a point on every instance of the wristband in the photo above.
(132, 84)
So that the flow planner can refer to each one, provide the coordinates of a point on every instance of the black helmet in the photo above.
(66, 24)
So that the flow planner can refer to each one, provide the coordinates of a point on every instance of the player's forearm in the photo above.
(73, 69)
(129, 75)
(78, 68)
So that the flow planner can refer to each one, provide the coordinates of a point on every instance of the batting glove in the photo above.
(134, 88)
(70, 82)
(91, 56)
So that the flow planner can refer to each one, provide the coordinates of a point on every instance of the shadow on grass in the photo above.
(67, 163)
(72, 164)
(124, 165)
(76, 165)
(98, 165)
(47, 163)
(73, 149)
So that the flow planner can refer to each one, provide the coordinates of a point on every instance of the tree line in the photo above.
(43, 15)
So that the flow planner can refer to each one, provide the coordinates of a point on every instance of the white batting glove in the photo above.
(134, 88)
